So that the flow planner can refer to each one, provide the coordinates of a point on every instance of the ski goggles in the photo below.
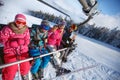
(19, 22)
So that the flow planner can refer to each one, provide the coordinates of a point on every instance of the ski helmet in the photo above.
(45, 27)
(20, 17)
(45, 22)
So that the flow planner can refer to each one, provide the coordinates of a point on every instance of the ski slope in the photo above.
(90, 52)
(101, 52)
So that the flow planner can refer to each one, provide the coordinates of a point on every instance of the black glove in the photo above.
(36, 42)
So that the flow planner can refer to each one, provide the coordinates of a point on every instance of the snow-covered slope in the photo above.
(90, 53)
(99, 51)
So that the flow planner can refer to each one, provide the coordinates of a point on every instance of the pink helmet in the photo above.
(20, 17)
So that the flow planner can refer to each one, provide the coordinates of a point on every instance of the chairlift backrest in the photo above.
(2, 25)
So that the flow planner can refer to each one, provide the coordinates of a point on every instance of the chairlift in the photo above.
(54, 8)
(89, 7)
(91, 4)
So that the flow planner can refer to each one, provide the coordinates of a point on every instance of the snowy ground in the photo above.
(105, 69)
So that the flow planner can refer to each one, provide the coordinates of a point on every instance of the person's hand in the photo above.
(57, 47)
(36, 42)
(32, 62)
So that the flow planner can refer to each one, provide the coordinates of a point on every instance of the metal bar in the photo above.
(84, 4)
(54, 8)
(21, 61)
(85, 21)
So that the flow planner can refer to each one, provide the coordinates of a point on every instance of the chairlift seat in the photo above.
(93, 10)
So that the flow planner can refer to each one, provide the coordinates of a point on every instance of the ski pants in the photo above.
(8, 73)
(56, 56)
(40, 62)
(35, 66)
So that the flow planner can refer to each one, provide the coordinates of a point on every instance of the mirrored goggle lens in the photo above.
(18, 22)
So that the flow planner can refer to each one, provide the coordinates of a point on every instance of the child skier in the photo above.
(54, 39)
(68, 40)
(15, 37)
(38, 47)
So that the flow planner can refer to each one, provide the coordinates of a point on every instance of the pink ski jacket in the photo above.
(53, 37)
(60, 34)
(15, 40)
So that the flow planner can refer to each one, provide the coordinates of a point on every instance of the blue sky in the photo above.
(110, 7)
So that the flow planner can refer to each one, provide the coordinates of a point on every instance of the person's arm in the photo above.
(73, 37)
(4, 35)
(58, 40)
(45, 39)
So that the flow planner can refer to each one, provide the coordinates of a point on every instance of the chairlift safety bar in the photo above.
(29, 59)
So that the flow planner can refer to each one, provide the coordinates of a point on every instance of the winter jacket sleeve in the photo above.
(58, 42)
(59, 38)
(52, 35)
(4, 35)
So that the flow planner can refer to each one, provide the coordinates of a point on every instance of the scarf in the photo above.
(17, 30)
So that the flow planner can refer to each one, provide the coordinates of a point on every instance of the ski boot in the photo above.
(62, 71)
(64, 59)
(25, 77)
(35, 76)
(41, 74)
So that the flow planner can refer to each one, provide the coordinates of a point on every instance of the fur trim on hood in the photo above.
(17, 30)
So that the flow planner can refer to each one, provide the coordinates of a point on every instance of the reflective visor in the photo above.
(19, 22)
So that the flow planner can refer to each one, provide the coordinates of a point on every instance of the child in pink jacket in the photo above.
(15, 37)
(53, 37)
(54, 40)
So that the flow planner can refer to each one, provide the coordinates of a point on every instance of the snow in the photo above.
(88, 52)
(100, 52)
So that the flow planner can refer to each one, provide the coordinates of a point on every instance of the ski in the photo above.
(61, 71)
(75, 71)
